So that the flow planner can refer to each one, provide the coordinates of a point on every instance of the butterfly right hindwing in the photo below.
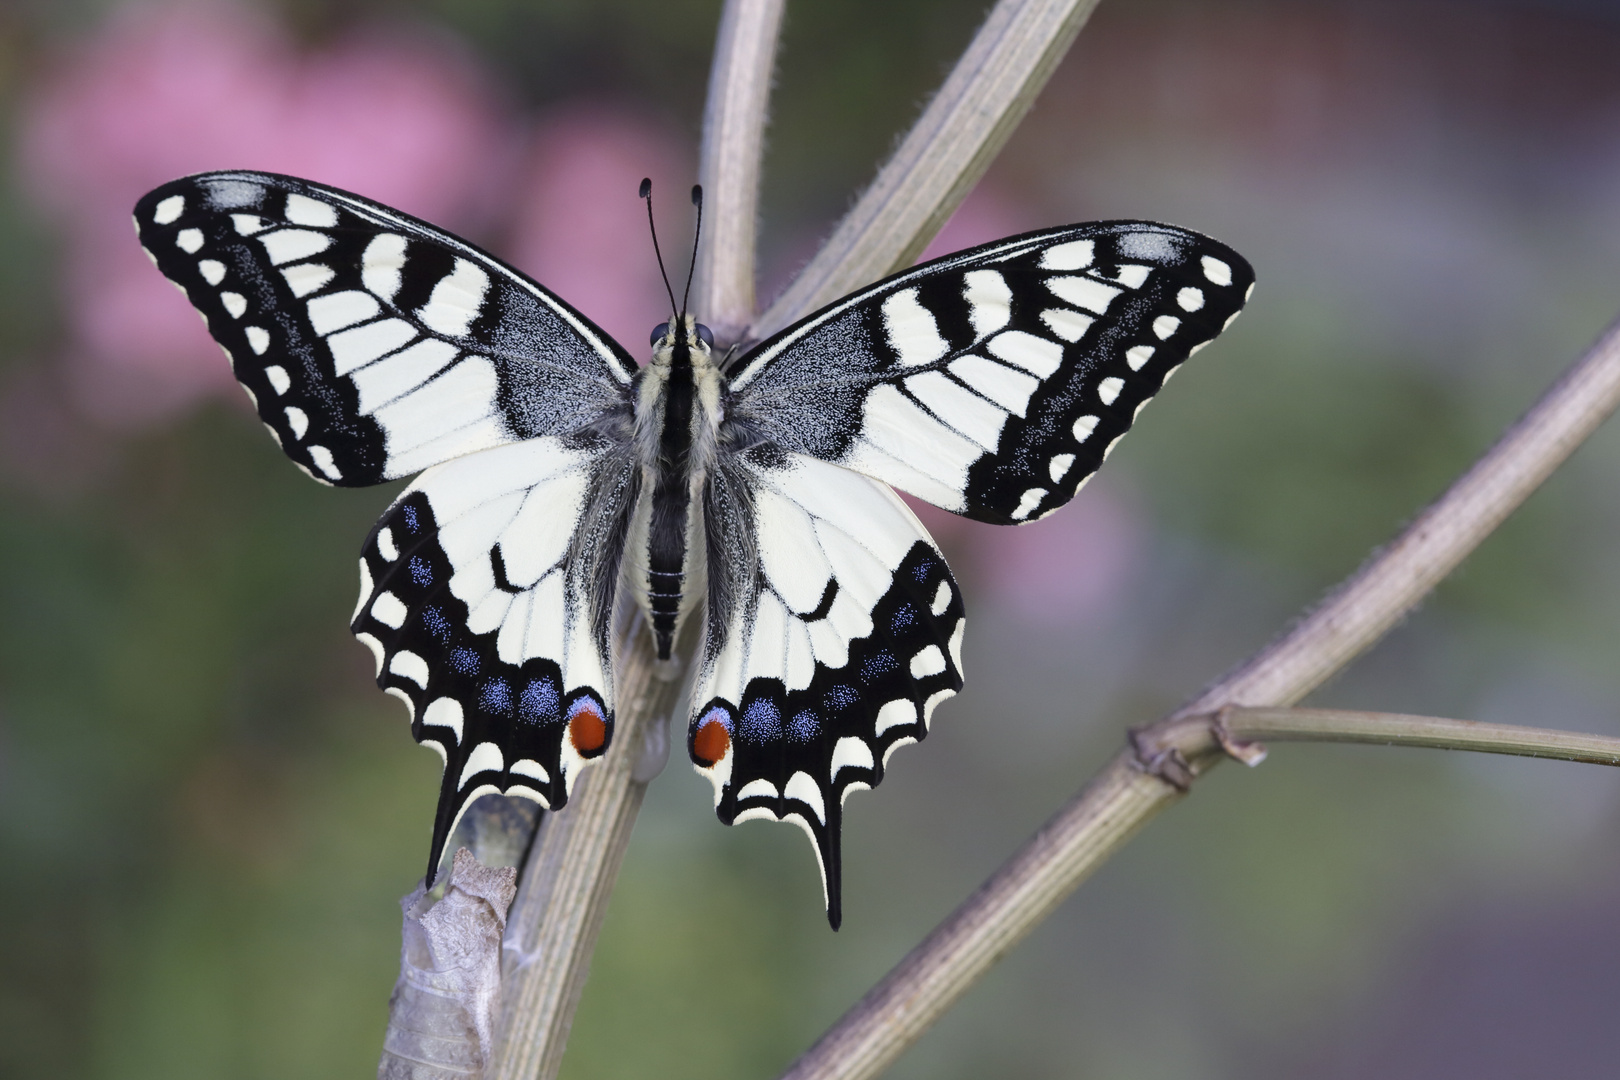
(479, 598)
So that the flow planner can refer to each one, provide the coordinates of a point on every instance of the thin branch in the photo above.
(733, 148)
(1179, 749)
(568, 879)
(1139, 783)
(943, 155)
(1399, 729)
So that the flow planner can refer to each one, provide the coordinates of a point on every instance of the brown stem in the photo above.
(574, 861)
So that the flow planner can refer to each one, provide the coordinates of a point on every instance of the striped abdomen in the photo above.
(671, 508)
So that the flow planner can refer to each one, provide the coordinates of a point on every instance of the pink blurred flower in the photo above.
(581, 230)
(168, 90)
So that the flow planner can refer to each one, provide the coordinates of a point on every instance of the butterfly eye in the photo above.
(658, 332)
(705, 335)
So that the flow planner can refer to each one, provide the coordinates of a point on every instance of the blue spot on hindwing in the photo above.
(408, 512)
(421, 572)
(539, 703)
(436, 624)
(878, 665)
(464, 661)
(716, 714)
(761, 721)
(496, 696)
(585, 702)
(804, 727)
(905, 619)
(841, 697)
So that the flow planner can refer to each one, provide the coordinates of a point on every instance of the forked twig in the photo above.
(1140, 782)
(1195, 743)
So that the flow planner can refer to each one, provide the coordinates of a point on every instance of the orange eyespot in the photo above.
(710, 743)
(586, 729)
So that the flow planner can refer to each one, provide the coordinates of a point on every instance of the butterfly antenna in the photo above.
(697, 234)
(646, 193)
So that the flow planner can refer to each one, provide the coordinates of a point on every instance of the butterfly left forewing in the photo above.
(993, 382)
(373, 344)
(841, 636)
(479, 600)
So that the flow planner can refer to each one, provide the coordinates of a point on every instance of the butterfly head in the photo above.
(682, 341)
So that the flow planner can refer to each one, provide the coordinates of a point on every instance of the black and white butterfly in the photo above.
(560, 482)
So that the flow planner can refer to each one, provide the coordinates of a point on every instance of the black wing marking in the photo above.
(835, 641)
(994, 382)
(373, 344)
(479, 599)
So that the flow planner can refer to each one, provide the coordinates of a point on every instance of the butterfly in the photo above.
(560, 484)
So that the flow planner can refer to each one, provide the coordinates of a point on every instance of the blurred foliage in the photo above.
(211, 813)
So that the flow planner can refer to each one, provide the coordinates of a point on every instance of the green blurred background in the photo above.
(209, 811)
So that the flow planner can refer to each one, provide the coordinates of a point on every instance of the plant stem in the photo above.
(733, 149)
(575, 858)
(1139, 783)
(943, 155)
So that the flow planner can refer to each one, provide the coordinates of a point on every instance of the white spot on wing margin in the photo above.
(169, 210)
